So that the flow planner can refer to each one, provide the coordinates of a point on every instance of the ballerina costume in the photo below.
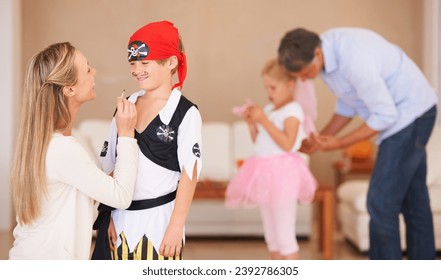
(273, 177)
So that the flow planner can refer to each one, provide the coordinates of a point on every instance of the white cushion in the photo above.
(353, 192)
(435, 199)
(216, 151)
(351, 195)
(96, 131)
(243, 146)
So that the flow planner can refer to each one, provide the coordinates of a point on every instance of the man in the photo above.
(376, 80)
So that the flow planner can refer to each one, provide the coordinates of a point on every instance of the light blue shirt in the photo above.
(375, 79)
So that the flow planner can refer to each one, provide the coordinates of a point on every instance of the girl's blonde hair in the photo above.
(276, 71)
(44, 110)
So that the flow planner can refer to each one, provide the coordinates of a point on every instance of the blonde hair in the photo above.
(44, 110)
(275, 70)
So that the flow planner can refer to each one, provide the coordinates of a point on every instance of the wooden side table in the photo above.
(324, 196)
(208, 189)
(345, 167)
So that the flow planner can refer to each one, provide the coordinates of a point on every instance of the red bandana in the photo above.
(155, 41)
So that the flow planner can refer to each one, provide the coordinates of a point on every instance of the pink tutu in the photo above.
(273, 181)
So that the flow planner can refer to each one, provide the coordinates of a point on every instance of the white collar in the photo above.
(166, 113)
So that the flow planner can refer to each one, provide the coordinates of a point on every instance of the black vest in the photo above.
(159, 142)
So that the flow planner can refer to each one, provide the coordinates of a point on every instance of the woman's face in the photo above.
(150, 74)
(279, 92)
(84, 89)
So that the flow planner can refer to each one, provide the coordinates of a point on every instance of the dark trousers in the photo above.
(398, 185)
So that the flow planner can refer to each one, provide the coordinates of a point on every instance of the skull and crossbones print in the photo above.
(137, 50)
(165, 133)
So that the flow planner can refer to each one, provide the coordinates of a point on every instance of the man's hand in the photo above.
(310, 145)
(327, 142)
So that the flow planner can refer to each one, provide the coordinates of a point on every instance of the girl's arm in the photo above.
(253, 129)
(284, 138)
(172, 241)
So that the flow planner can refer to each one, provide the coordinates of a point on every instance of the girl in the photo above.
(276, 177)
(54, 180)
(168, 130)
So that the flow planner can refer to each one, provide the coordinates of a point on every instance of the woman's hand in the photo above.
(125, 117)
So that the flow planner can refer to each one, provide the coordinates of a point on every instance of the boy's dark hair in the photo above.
(297, 48)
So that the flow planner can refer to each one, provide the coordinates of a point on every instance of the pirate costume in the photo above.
(168, 145)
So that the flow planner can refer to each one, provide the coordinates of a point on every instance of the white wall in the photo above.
(227, 42)
(432, 45)
(10, 57)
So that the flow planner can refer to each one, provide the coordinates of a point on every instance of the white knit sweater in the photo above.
(74, 182)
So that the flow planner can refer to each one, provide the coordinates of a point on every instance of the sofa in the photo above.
(352, 214)
(223, 144)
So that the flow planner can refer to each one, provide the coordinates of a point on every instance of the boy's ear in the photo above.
(172, 62)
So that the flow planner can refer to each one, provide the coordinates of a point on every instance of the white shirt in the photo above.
(374, 79)
(64, 228)
(264, 144)
(154, 180)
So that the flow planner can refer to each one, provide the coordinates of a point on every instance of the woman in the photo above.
(54, 180)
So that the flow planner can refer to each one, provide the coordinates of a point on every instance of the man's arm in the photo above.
(336, 124)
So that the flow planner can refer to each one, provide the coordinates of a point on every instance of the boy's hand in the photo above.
(111, 232)
(172, 241)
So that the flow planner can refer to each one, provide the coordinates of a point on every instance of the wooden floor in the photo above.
(239, 248)
(255, 248)
(5, 244)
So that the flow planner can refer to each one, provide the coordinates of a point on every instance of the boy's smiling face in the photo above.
(150, 74)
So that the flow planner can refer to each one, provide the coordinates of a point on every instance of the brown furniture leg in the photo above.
(325, 197)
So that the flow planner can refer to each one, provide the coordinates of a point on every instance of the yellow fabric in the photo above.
(144, 247)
